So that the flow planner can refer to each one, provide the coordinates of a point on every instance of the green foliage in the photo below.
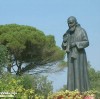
(94, 77)
(51, 52)
(3, 57)
(40, 83)
(22, 40)
(27, 44)
(36, 87)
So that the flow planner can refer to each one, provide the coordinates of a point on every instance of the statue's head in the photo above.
(72, 22)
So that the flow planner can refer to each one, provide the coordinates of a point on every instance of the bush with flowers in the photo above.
(15, 86)
(73, 95)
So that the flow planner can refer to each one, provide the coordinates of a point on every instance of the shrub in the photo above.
(25, 87)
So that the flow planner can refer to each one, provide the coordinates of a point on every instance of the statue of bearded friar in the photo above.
(75, 40)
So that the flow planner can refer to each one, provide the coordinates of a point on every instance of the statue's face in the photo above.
(71, 24)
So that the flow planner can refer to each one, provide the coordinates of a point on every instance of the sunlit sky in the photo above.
(50, 16)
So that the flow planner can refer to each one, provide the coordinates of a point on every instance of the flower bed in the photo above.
(72, 95)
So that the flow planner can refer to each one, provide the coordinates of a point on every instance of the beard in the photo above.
(72, 29)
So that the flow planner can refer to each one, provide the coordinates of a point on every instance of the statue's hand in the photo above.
(72, 45)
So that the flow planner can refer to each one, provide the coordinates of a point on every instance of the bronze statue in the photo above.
(74, 41)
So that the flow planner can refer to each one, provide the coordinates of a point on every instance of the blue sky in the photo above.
(50, 16)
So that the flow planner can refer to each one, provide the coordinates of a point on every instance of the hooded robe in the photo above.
(77, 77)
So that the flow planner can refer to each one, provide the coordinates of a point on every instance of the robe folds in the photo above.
(77, 77)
